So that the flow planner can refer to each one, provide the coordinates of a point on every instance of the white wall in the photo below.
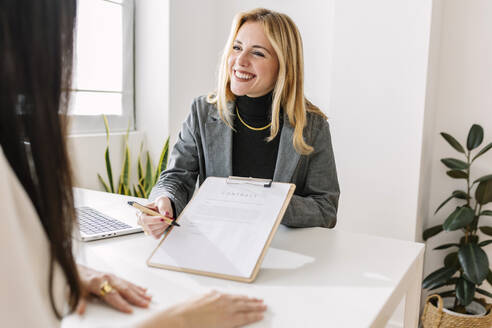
(377, 112)
(197, 36)
(462, 96)
(152, 69)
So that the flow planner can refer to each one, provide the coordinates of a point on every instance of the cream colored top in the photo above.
(24, 259)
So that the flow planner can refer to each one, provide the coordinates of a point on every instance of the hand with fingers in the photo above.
(118, 293)
(213, 310)
(156, 225)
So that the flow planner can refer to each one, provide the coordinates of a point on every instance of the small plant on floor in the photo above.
(467, 266)
(147, 177)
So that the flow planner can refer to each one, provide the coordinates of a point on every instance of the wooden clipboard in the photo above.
(261, 183)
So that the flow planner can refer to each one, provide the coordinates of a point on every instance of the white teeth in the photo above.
(244, 76)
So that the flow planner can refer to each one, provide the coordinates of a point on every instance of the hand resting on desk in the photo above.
(214, 310)
(123, 294)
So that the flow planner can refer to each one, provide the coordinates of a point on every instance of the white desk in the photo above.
(309, 278)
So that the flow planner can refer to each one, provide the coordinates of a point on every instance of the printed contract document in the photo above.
(225, 229)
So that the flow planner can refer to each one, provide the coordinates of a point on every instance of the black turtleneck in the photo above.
(252, 155)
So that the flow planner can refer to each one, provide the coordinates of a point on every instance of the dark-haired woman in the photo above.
(38, 275)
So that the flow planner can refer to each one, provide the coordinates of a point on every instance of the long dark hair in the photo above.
(36, 44)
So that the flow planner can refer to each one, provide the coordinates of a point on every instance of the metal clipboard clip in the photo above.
(267, 183)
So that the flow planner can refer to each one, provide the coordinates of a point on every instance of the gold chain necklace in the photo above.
(249, 126)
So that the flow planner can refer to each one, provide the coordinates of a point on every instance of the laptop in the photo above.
(95, 225)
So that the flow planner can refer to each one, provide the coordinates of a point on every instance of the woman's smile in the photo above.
(243, 76)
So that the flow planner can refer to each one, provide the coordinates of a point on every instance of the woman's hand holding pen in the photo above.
(156, 225)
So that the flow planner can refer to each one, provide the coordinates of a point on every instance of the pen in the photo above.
(148, 211)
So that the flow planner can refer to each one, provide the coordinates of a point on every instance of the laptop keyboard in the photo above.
(93, 222)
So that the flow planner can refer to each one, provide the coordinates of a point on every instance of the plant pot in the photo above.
(438, 316)
(474, 309)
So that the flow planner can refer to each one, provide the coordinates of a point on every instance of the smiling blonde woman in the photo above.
(288, 90)
(257, 123)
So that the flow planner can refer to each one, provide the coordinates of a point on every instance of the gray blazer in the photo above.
(204, 148)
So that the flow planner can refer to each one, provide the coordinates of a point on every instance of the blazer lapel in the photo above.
(219, 146)
(287, 157)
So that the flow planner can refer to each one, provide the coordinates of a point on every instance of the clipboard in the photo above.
(193, 249)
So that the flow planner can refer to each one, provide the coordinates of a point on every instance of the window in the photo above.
(103, 66)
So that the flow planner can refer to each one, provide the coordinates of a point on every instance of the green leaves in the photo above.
(483, 151)
(104, 184)
(447, 293)
(452, 281)
(444, 203)
(453, 142)
(471, 239)
(483, 194)
(141, 189)
(460, 194)
(445, 246)
(455, 164)
(146, 178)
(484, 292)
(485, 243)
(469, 260)
(465, 290)
(475, 137)
(148, 174)
(125, 171)
(451, 260)
(139, 169)
(106, 126)
(474, 262)
(109, 170)
(486, 230)
(124, 180)
(432, 232)
(439, 277)
(162, 165)
(460, 218)
(457, 174)
(483, 179)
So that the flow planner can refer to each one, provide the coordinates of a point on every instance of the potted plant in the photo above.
(466, 267)
(147, 175)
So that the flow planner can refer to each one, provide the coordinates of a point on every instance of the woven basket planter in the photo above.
(436, 317)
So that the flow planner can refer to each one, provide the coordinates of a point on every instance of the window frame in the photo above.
(93, 124)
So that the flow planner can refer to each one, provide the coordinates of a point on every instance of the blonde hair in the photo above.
(288, 91)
